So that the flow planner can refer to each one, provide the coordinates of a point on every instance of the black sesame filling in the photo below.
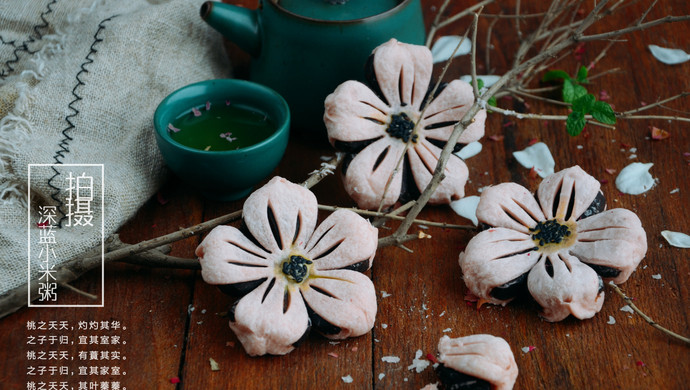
(401, 127)
(296, 268)
(455, 380)
(549, 232)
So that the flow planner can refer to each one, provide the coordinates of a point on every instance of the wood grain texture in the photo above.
(421, 295)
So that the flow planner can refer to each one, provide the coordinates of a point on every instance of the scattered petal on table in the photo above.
(466, 207)
(444, 47)
(635, 179)
(669, 56)
(677, 239)
(537, 156)
(472, 149)
(489, 80)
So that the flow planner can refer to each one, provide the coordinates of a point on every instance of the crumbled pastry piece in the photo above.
(384, 126)
(290, 275)
(559, 246)
(479, 361)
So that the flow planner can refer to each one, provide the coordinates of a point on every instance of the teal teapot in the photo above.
(304, 49)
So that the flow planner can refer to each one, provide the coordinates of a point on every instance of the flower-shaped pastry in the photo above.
(558, 246)
(292, 276)
(381, 127)
(479, 361)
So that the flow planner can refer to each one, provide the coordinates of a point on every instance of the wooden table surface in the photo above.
(174, 322)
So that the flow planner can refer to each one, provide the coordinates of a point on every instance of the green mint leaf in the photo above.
(603, 112)
(492, 101)
(582, 75)
(572, 91)
(575, 123)
(553, 75)
(480, 84)
(584, 103)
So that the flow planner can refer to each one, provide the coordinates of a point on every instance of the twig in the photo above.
(662, 117)
(646, 317)
(487, 52)
(434, 25)
(517, 21)
(78, 291)
(369, 213)
(464, 13)
(658, 103)
(536, 97)
(513, 16)
(473, 57)
(638, 27)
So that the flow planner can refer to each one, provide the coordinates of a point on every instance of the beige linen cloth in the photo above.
(79, 83)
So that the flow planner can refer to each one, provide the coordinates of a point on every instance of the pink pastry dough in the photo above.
(294, 276)
(378, 130)
(560, 246)
(481, 356)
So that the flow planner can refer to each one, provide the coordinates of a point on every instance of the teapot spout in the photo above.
(239, 25)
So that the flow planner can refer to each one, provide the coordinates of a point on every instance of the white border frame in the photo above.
(28, 295)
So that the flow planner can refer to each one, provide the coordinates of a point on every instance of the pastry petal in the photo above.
(562, 285)
(355, 113)
(228, 257)
(370, 170)
(482, 356)
(281, 214)
(495, 257)
(613, 238)
(344, 239)
(345, 299)
(264, 325)
(403, 72)
(423, 160)
(567, 194)
(448, 108)
(509, 205)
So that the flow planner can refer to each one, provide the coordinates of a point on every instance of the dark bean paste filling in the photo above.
(598, 205)
(296, 268)
(549, 232)
(455, 380)
(321, 325)
(514, 288)
(401, 126)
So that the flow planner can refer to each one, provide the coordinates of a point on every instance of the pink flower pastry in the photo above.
(558, 245)
(290, 275)
(376, 127)
(479, 361)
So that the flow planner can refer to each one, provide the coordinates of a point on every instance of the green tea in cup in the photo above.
(220, 126)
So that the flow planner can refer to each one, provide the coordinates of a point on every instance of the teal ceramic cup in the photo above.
(229, 174)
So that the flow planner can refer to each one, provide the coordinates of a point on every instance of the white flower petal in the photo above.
(466, 207)
(470, 150)
(537, 156)
(669, 56)
(677, 239)
(443, 48)
(489, 80)
(635, 179)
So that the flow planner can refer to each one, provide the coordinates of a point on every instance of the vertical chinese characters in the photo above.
(47, 223)
(78, 201)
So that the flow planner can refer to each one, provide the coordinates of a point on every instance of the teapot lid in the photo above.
(338, 10)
